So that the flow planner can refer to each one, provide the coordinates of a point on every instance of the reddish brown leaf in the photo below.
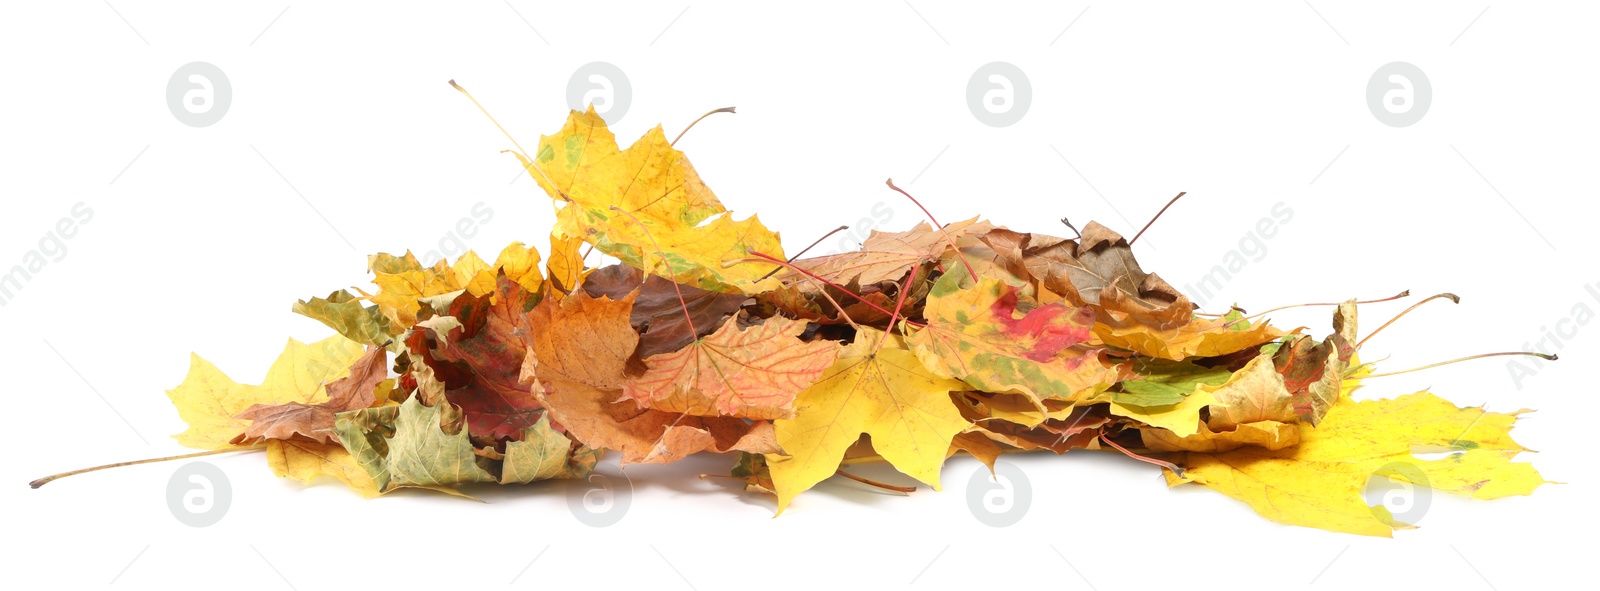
(657, 314)
(315, 421)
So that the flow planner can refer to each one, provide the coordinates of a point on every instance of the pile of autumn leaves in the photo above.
(922, 344)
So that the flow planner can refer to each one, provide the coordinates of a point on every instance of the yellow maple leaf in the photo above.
(403, 283)
(882, 392)
(304, 461)
(1318, 483)
(208, 399)
(583, 168)
(520, 264)
(565, 267)
(1182, 419)
(1264, 434)
(1201, 337)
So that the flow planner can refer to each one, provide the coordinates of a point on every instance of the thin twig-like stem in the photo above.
(936, 224)
(803, 250)
(766, 258)
(1544, 356)
(1403, 294)
(48, 479)
(1452, 297)
(1153, 220)
(660, 253)
(869, 482)
(1168, 465)
(691, 124)
(502, 129)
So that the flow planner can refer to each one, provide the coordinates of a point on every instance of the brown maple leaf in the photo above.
(1097, 269)
(657, 313)
(315, 421)
(578, 350)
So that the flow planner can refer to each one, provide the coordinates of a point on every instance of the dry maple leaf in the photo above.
(582, 166)
(1097, 269)
(751, 372)
(315, 421)
(884, 256)
(1318, 482)
(1255, 393)
(1198, 338)
(996, 342)
(578, 351)
(477, 353)
(657, 312)
(877, 388)
(210, 402)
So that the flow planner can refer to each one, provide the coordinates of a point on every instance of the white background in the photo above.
(197, 244)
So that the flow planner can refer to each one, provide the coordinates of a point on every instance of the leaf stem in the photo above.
(691, 124)
(936, 223)
(1544, 356)
(502, 129)
(774, 260)
(1452, 297)
(673, 277)
(803, 250)
(48, 479)
(1075, 233)
(869, 482)
(1153, 220)
(1403, 294)
(894, 318)
(1148, 460)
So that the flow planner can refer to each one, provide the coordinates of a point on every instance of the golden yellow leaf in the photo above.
(565, 267)
(403, 280)
(1264, 434)
(1199, 338)
(520, 263)
(977, 444)
(885, 393)
(1019, 408)
(305, 461)
(1182, 419)
(208, 399)
(582, 168)
(1318, 483)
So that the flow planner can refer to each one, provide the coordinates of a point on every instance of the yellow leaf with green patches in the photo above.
(1318, 483)
(1182, 419)
(996, 341)
(682, 231)
(304, 461)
